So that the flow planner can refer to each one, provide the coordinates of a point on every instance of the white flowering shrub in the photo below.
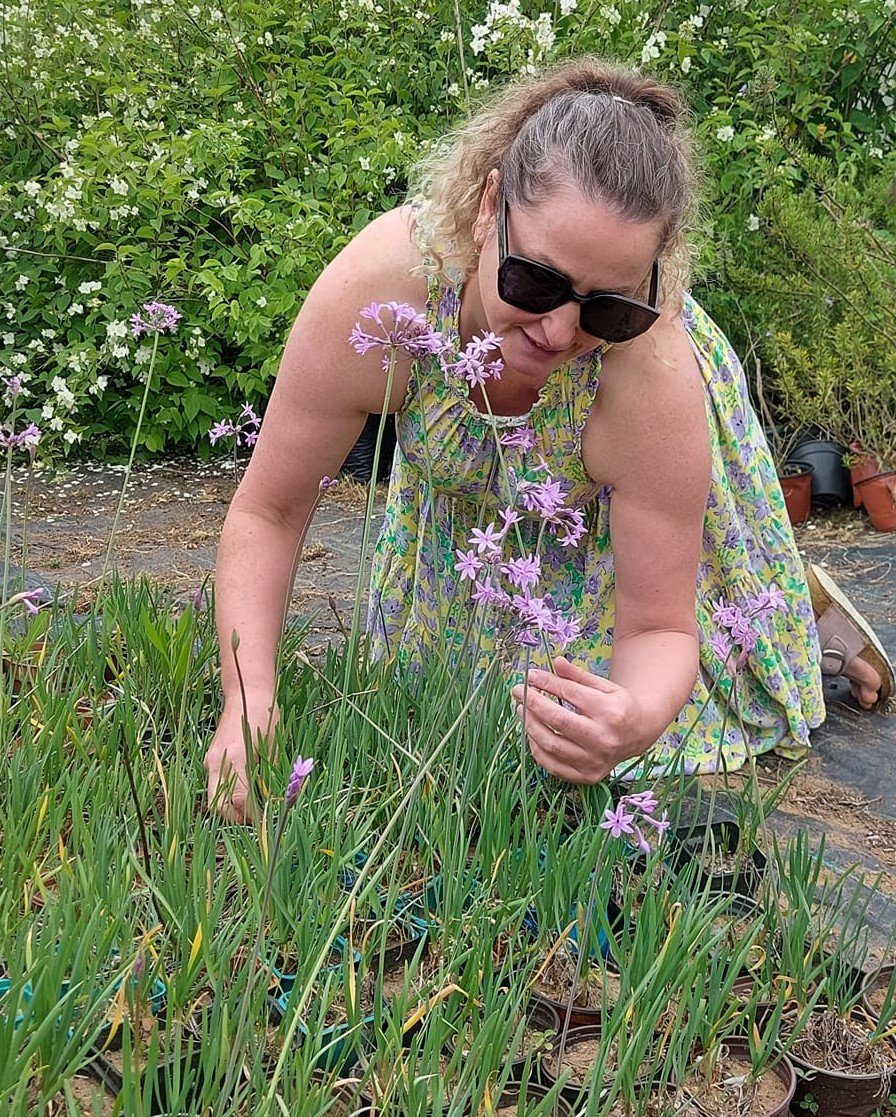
(216, 156)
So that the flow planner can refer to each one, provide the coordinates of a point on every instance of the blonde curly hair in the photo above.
(619, 137)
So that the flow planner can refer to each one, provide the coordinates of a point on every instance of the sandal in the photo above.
(844, 634)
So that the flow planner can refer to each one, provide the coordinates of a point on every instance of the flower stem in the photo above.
(127, 472)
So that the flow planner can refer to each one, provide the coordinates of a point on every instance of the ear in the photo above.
(485, 219)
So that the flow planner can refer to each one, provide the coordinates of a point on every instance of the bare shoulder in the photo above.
(649, 417)
(380, 264)
(325, 389)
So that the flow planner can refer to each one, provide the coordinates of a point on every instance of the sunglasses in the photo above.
(538, 289)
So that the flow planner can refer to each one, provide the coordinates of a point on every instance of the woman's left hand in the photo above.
(584, 744)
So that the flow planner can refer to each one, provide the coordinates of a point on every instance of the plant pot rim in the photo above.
(800, 1061)
(875, 476)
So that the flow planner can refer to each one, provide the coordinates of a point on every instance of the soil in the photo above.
(169, 529)
(579, 1055)
(733, 1094)
(558, 980)
(91, 1099)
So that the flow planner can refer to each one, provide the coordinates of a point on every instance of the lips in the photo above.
(541, 348)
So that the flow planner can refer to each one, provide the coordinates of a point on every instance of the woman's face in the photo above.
(586, 241)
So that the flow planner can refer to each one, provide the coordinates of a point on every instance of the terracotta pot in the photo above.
(864, 465)
(797, 490)
(879, 497)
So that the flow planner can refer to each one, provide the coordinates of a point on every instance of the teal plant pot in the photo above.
(341, 1045)
(282, 981)
(5, 986)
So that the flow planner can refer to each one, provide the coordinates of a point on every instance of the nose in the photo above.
(560, 326)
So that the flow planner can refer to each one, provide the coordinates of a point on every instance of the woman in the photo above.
(557, 222)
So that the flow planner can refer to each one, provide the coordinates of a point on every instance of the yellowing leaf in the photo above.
(195, 946)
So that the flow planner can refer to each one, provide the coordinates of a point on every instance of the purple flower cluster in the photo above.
(301, 770)
(632, 813)
(31, 599)
(472, 365)
(530, 618)
(548, 499)
(159, 317)
(12, 386)
(402, 327)
(26, 439)
(738, 625)
(244, 430)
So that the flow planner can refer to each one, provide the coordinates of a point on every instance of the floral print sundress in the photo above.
(447, 480)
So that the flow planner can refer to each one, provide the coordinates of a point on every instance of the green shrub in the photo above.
(215, 157)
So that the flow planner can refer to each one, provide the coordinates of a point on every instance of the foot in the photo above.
(864, 682)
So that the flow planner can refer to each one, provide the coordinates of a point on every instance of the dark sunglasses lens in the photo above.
(616, 319)
(530, 288)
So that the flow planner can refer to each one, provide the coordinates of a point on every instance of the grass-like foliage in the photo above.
(271, 942)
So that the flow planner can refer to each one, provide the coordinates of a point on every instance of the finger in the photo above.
(541, 711)
(567, 670)
(561, 757)
(570, 691)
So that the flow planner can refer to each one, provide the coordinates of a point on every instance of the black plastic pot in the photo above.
(514, 1092)
(829, 1093)
(574, 1092)
(830, 479)
(174, 1090)
(874, 987)
(724, 836)
(359, 463)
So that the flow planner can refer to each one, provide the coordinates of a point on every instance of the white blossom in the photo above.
(753, 223)
(725, 133)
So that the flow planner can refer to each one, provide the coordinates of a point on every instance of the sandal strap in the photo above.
(840, 640)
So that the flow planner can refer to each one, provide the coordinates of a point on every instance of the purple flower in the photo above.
(484, 593)
(31, 599)
(522, 572)
(770, 600)
(300, 772)
(223, 429)
(409, 330)
(721, 645)
(159, 318)
(572, 522)
(472, 365)
(509, 517)
(643, 843)
(644, 801)
(27, 438)
(245, 429)
(467, 565)
(327, 483)
(661, 825)
(523, 438)
(487, 540)
(13, 386)
(618, 822)
(724, 613)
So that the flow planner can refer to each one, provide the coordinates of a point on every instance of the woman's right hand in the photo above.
(226, 762)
